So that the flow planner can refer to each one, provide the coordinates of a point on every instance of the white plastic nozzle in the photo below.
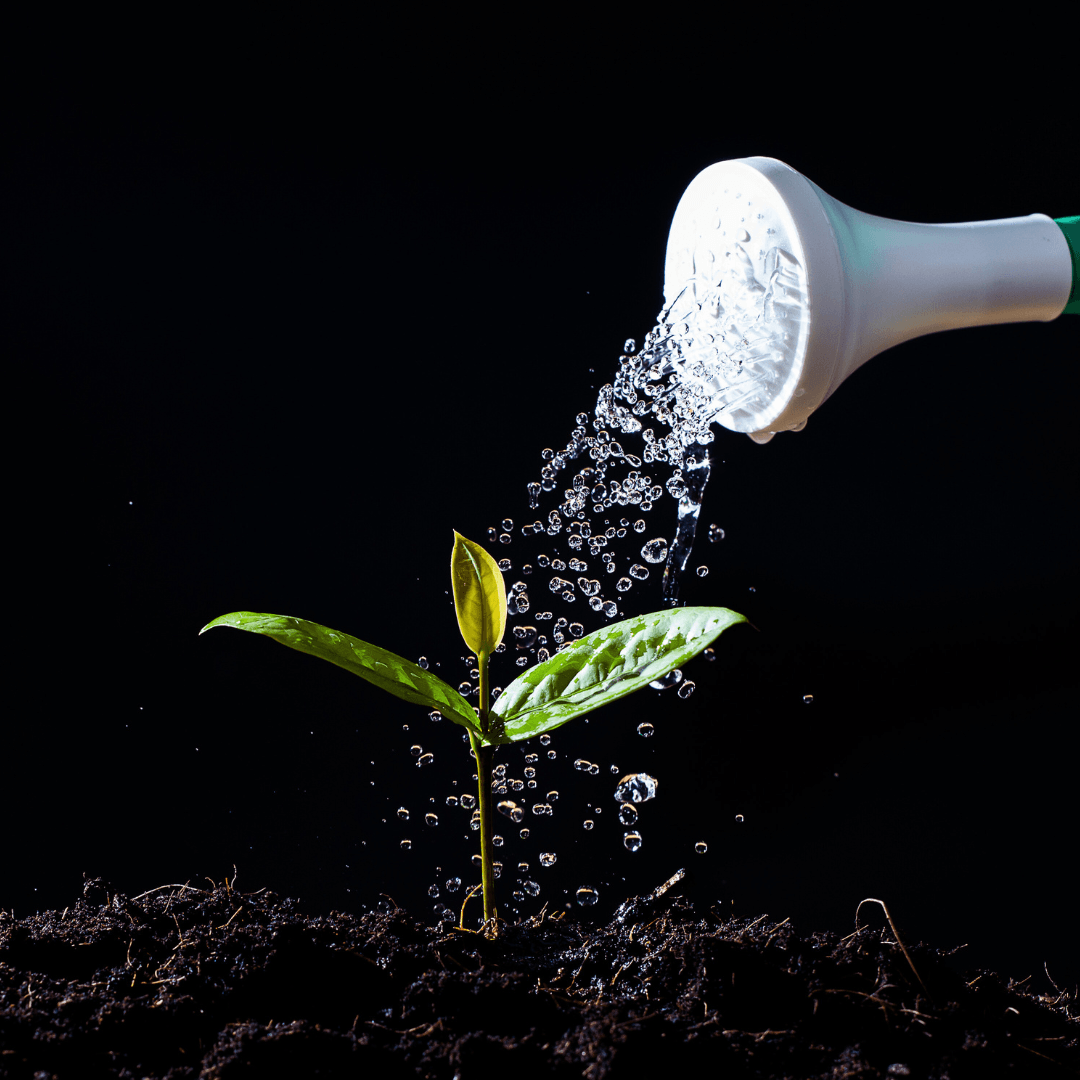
(814, 288)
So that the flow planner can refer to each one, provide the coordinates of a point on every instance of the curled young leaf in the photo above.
(605, 666)
(385, 669)
(479, 596)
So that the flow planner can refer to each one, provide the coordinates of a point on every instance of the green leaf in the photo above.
(604, 666)
(387, 670)
(479, 596)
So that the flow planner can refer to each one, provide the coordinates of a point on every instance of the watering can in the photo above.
(833, 286)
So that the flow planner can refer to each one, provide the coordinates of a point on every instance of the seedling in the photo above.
(583, 675)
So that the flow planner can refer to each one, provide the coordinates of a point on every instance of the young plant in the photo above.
(583, 675)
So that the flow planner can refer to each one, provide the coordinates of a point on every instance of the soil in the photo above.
(193, 982)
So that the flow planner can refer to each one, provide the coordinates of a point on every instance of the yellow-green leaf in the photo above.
(479, 596)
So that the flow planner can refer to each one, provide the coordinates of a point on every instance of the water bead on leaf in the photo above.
(672, 678)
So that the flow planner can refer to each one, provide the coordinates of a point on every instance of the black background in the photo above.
(276, 327)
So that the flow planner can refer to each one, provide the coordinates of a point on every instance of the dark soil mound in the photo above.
(185, 982)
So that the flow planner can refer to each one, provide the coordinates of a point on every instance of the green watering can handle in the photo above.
(1070, 226)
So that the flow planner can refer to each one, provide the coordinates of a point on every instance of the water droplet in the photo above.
(623, 584)
(511, 810)
(672, 678)
(701, 847)
(645, 730)
(715, 533)
(497, 841)
(639, 525)
(431, 819)
(638, 571)
(709, 653)
(702, 571)
(403, 813)
(532, 888)
(547, 858)
(582, 765)
(637, 787)
(524, 834)
(425, 759)
(632, 841)
(504, 565)
(422, 662)
(406, 845)
(627, 813)
(507, 524)
(808, 698)
(739, 818)
(433, 891)
(629, 345)
(453, 884)
(468, 802)
(587, 825)
(416, 751)
(655, 551)
(687, 689)
(594, 770)
(451, 800)
(541, 809)
(587, 896)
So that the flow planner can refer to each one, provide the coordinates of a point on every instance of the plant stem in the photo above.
(484, 757)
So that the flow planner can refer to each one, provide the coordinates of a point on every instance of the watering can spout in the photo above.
(802, 289)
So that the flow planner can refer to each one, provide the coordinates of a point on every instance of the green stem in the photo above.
(484, 758)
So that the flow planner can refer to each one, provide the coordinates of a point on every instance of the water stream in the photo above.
(718, 350)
